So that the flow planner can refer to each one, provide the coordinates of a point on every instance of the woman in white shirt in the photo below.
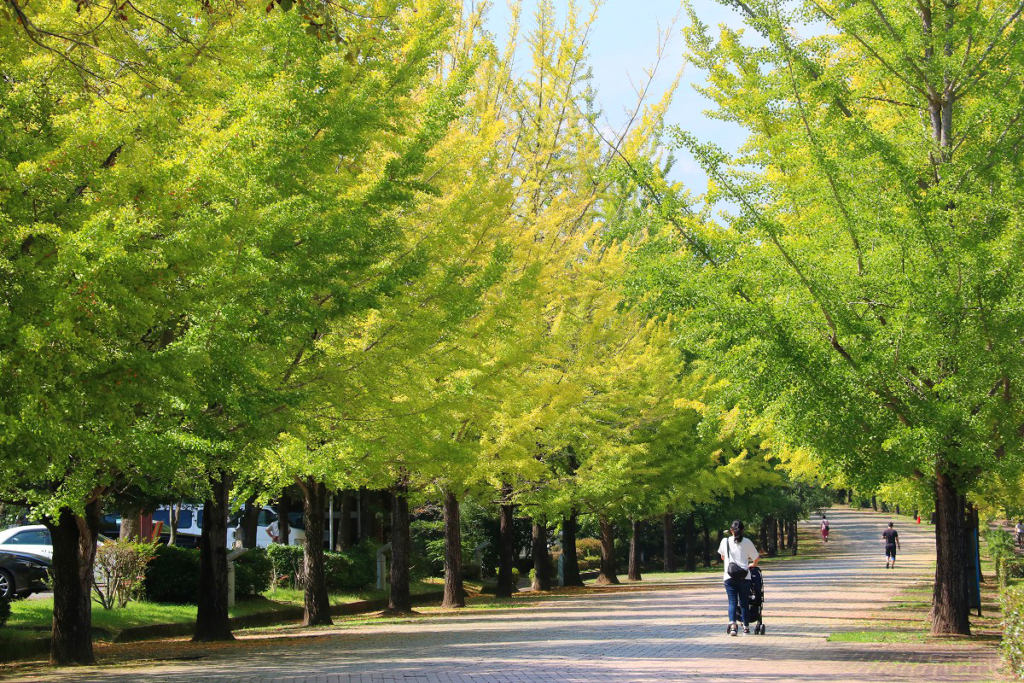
(741, 552)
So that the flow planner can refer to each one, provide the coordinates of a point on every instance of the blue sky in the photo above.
(624, 43)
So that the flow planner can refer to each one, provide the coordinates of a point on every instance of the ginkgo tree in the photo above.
(200, 196)
(863, 287)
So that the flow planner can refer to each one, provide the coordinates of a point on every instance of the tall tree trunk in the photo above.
(669, 540)
(541, 557)
(172, 538)
(506, 585)
(250, 523)
(633, 572)
(366, 514)
(454, 593)
(874, 503)
(212, 620)
(316, 603)
(131, 524)
(706, 533)
(773, 537)
(345, 536)
(383, 522)
(950, 604)
(762, 534)
(71, 570)
(400, 599)
(570, 561)
(607, 574)
(690, 533)
(793, 536)
(284, 530)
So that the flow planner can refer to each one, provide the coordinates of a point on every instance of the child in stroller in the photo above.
(756, 606)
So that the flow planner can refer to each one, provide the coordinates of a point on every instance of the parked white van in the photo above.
(267, 517)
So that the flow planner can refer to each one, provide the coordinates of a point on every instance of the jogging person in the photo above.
(738, 555)
(1020, 534)
(824, 528)
(891, 538)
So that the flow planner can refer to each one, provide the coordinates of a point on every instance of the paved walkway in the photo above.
(675, 633)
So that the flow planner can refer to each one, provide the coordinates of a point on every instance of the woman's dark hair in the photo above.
(737, 530)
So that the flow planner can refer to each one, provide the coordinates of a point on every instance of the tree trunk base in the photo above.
(454, 592)
(570, 562)
(400, 599)
(213, 623)
(506, 586)
(950, 604)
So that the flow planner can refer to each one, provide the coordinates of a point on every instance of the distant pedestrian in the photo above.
(738, 555)
(1020, 534)
(891, 538)
(273, 530)
(824, 528)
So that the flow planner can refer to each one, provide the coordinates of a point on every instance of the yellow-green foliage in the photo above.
(1013, 630)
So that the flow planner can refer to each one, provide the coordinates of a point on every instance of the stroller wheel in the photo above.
(761, 627)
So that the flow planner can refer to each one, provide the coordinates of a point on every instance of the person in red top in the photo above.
(824, 529)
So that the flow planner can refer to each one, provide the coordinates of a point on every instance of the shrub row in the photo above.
(346, 570)
(1008, 568)
(1013, 630)
(588, 548)
(173, 575)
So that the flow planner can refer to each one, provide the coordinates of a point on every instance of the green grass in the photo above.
(878, 637)
(910, 605)
(34, 616)
(294, 596)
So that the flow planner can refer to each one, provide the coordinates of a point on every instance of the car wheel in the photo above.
(6, 585)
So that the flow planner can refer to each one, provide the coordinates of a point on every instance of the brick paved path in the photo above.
(675, 633)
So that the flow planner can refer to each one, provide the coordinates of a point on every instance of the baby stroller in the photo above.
(756, 606)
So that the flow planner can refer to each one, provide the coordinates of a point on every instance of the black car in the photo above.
(22, 574)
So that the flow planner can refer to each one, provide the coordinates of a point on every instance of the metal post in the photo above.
(231, 584)
(382, 565)
(232, 556)
(478, 557)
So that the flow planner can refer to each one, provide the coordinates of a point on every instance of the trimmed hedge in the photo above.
(173, 576)
(588, 547)
(1013, 630)
(347, 570)
(352, 569)
(253, 573)
(286, 564)
(1009, 568)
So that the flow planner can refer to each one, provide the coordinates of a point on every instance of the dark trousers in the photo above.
(739, 592)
